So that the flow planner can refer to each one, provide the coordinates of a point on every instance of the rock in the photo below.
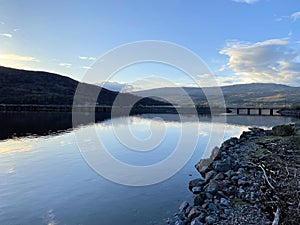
(204, 163)
(242, 182)
(209, 175)
(224, 202)
(219, 176)
(222, 166)
(230, 173)
(241, 190)
(196, 183)
(177, 222)
(188, 209)
(210, 219)
(202, 216)
(227, 212)
(221, 194)
(235, 178)
(184, 205)
(283, 130)
(196, 190)
(213, 207)
(212, 187)
(195, 212)
(196, 222)
(209, 195)
(181, 215)
(199, 199)
(240, 171)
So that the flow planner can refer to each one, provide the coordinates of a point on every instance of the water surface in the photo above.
(45, 180)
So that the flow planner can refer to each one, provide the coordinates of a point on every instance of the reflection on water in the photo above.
(44, 179)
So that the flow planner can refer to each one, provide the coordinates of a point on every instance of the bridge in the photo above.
(140, 109)
(267, 111)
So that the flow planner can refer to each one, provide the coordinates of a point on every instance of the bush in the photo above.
(284, 130)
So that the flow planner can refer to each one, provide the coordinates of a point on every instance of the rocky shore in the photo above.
(254, 179)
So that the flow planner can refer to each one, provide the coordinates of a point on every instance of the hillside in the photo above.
(43, 88)
(241, 94)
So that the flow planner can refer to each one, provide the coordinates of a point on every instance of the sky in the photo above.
(241, 41)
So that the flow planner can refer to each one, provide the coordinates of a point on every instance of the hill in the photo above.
(253, 94)
(43, 88)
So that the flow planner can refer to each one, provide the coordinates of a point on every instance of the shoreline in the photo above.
(253, 179)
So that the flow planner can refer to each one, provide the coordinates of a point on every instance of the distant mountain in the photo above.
(43, 88)
(253, 94)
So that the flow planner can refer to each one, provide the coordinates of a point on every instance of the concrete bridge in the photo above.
(140, 109)
(267, 111)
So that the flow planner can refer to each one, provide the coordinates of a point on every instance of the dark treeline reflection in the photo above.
(20, 124)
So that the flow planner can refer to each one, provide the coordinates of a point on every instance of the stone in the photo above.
(196, 183)
(181, 215)
(188, 209)
(196, 222)
(222, 166)
(183, 205)
(196, 190)
(210, 219)
(213, 207)
(203, 165)
(195, 212)
(235, 178)
(227, 212)
(212, 187)
(240, 170)
(202, 216)
(209, 175)
(241, 190)
(221, 194)
(242, 182)
(219, 176)
(177, 222)
(230, 173)
(199, 199)
(224, 202)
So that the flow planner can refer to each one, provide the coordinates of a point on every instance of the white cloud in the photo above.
(2, 23)
(295, 16)
(6, 35)
(269, 61)
(15, 57)
(67, 65)
(116, 86)
(246, 1)
(207, 80)
(87, 58)
(86, 67)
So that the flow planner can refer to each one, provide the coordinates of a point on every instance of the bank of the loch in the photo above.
(254, 179)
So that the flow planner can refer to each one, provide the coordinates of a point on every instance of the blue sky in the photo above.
(241, 41)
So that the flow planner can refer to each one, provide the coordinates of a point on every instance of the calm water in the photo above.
(45, 180)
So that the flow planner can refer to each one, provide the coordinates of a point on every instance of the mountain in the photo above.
(43, 88)
(253, 94)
